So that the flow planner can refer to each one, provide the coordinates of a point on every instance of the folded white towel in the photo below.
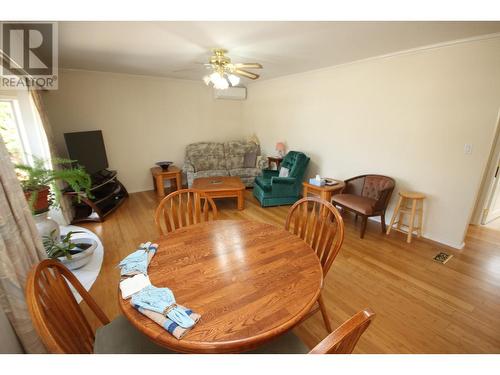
(133, 285)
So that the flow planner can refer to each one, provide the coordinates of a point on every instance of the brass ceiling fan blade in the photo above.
(246, 74)
(248, 66)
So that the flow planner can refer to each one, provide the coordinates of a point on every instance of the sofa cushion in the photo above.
(250, 159)
(245, 172)
(205, 156)
(235, 153)
(208, 163)
(211, 173)
(362, 205)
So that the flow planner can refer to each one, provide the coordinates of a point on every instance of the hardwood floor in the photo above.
(422, 306)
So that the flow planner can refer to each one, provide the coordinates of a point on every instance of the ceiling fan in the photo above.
(225, 73)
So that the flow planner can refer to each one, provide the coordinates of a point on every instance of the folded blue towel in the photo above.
(138, 261)
(173, 328)
(162, 301)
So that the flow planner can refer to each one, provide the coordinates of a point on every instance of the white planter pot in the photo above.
(81, 259)
(46, 225)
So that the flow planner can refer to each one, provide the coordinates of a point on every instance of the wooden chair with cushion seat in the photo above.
(62, 325)
(183, 208)
(320, 225)
(341, 341)
(366, 196)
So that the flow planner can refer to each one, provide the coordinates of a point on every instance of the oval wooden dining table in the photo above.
(250, 282)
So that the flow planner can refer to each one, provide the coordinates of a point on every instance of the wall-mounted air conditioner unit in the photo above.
(231, 93)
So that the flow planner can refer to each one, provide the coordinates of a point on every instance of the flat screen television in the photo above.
(87, 148)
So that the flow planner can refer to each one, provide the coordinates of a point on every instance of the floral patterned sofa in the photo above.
(233, 158)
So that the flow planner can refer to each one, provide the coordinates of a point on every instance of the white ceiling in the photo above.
(178, 49)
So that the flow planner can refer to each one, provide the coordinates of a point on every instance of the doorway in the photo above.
(487, 212)
(491, 211)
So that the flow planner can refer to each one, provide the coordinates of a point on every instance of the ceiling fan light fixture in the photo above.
(226, 74)
(215, 77)
(235, 80)
(221, 84)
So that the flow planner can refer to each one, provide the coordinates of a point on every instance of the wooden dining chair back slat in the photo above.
(183, 208)
(56, 315)
(320, 225)
(344, 339)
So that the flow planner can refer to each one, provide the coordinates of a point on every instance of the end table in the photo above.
(324, 192)
(159, 175)
(274, 159)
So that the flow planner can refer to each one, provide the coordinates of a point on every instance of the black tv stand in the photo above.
(101, 177)
(106, 173)
(107, 195)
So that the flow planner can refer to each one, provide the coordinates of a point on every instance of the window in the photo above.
(11, 131)
(21, 128)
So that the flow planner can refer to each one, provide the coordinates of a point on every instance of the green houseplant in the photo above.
(39, 182)
(62, 247)
(73, 253)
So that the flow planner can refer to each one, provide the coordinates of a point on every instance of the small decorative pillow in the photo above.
(250, 159)
(284, 172)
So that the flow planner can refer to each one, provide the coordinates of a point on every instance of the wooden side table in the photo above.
(159, 175)
(324, 192)
(274, 159)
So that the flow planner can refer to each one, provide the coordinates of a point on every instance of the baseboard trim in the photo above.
(427, 238)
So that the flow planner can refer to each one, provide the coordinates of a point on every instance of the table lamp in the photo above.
(280, 147)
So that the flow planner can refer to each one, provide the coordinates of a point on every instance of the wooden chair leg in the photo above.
(395, 215)
(382, 221)
(356, 218)
(324, 314)
(420, 214)
(363, 226)
(412, 220)
(400, 218)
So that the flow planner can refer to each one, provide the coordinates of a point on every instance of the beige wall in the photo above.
(406, 116)
(143, 119)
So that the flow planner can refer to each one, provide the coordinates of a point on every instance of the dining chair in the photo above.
(320, 225)
(183, 208)
(341, 341)
(61, 323)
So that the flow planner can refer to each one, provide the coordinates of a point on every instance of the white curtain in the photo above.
(20, 249)
(66, 209)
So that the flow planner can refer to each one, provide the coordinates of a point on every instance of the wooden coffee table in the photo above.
(222, 187)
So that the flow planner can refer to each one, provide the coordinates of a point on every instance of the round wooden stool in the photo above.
(408, 204)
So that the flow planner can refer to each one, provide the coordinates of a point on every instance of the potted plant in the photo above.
(39, 182)
(73, 254)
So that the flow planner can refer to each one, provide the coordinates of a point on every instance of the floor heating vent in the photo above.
(442, 257)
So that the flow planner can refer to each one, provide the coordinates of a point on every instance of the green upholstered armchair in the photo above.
(272, 190)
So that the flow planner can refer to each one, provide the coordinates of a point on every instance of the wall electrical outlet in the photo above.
(467, 149)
